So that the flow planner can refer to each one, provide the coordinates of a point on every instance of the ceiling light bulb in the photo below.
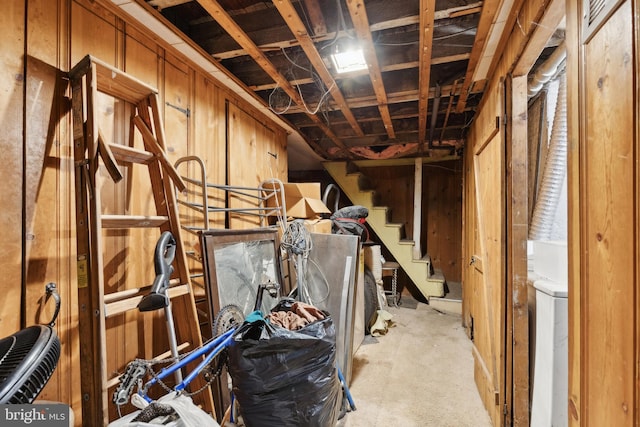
(349, 60)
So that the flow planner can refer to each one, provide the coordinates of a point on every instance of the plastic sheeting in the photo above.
(286, 378)
(189, 414)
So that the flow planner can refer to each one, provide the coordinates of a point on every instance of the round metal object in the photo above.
(229, 316)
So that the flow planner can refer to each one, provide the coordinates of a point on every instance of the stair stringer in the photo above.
(420, 271)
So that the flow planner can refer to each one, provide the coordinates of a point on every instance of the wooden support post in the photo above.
(417, 208)
(517, 232)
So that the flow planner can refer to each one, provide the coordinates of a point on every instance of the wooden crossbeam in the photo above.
(489, 9)
(316, 17)
(360, 21)
(427, 13)
(385, 68)
(235, 31)
(378, 26)
(297, 27)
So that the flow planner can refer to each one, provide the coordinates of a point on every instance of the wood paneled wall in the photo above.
(12, 171)
(604, 302)
(38, 199)
(533, 23)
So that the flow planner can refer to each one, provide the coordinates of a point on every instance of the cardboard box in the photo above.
(303, 200)
(318, 225)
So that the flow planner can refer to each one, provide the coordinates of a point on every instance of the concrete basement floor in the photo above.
(419, 374)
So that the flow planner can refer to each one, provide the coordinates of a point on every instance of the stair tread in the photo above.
(394, 224)
(455, 291)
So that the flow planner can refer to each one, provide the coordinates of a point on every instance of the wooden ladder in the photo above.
(89, 77)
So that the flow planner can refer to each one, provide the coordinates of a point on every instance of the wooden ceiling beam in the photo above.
(384, 69)
(427, 14)
(297, 27)
(453, 12)
(489, 10)
(377, 119)
(450, 104)
(162, 4)
(316, 17)
(371, 100)
(218, 13)
(360, 21)
(383, 25)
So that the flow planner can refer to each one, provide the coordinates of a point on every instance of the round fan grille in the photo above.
(27, 360)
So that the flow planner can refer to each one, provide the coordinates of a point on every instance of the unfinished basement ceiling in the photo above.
(417, 97)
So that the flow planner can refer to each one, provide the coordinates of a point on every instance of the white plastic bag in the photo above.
(190, 415)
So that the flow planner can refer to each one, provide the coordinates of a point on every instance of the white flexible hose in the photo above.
(554, 170)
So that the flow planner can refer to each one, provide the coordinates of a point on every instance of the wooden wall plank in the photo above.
(91, 33)
(442, 209)
(490, 330)
(574, 204)
(608, 276)
(12, 173)
(209, 142)
(517, 232)
(49, 196)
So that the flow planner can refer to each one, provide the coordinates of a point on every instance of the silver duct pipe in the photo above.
(547, 70)
(554, 170)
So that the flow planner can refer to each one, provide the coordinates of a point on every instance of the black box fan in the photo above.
(28, 359)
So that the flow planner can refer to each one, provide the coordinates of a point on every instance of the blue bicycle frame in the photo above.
(215, 346)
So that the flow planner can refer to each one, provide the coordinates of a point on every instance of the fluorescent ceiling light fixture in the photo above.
(348, 61)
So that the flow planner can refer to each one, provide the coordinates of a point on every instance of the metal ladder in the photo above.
(268, 197)
(198, 200)
(97, 307)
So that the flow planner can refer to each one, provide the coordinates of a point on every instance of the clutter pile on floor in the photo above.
(285, 365)
(283, 369)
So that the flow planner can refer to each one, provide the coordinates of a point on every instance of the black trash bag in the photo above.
(350, 220)
(286, 378)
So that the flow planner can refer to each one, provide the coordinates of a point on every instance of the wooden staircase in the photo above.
(430, 281)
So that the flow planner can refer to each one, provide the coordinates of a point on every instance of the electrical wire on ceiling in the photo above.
(457, 33)
(341, 28)
(291, 72)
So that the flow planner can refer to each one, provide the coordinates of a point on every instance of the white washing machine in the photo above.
(551, 374)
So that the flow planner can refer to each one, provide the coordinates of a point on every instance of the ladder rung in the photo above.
(167, 354)
(132, 221)
(128, 293)
(124, 305)
(193, 230)
(192, 255)
(126, 154)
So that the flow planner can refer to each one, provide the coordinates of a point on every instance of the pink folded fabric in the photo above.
(301, 314)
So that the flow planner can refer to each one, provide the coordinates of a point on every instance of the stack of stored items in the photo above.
(282, 376)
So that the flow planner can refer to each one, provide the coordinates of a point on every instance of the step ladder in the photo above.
(93, 219)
